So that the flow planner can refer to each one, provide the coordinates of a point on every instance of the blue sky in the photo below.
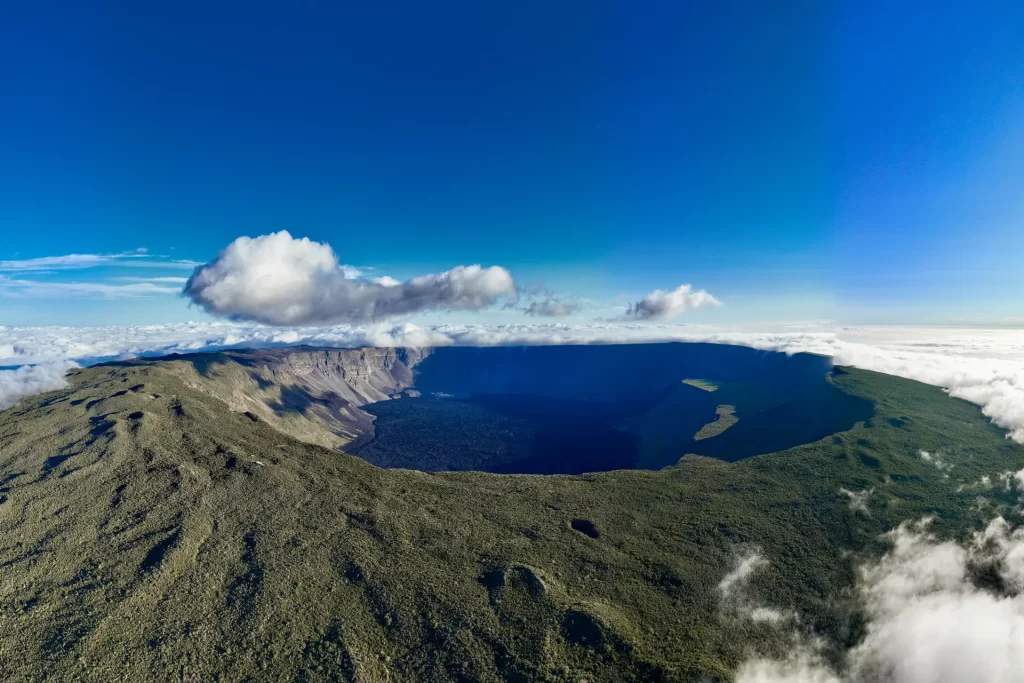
(850, 161)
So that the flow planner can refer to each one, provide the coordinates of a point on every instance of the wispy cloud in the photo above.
(738, 597)
(155, 280)
(38, 284)
(137, 259)
(66, 262)
(859, 500)
(178, 264)
(99, 290)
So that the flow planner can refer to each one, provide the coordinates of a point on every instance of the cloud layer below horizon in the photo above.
(985, 367)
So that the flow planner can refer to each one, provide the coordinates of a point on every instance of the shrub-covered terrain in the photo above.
(150, 532)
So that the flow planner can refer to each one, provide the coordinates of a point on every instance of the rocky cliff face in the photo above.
(312, 394)
(359, 375)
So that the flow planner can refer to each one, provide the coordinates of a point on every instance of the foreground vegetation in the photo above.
(148, 532)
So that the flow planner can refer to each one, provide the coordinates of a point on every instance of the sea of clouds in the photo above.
(985, 367)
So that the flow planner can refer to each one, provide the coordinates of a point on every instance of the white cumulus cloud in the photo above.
(279, 280)
(660, 305)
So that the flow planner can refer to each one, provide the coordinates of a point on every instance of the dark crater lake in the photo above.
(510, 434)
(571, 410)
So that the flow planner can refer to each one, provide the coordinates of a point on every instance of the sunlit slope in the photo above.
(150, 532)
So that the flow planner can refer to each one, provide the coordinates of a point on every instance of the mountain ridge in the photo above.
(148, 531)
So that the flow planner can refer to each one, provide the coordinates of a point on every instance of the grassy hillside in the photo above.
(148, 532)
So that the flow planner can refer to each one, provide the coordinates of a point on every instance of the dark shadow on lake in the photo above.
(511, 434)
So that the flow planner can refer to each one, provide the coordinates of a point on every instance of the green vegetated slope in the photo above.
(148, 532)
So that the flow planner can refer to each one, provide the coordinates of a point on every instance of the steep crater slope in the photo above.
(311, 394)
(536, 410)
(148, 532)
